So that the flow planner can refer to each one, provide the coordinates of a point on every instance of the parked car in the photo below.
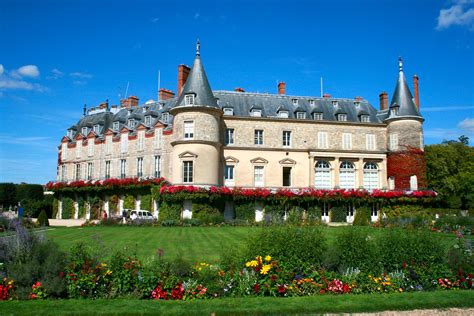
(141, 214)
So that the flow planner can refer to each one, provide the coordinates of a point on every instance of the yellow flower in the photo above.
(268, 258)
(400, 289)
(265, 269)
(252, 263)
(108, 272)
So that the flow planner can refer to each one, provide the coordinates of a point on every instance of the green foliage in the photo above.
(125, 272)
(295, 216)
(273, 213)
(81, 204)
(245, 211)
(314, 213)
(68, 208)
(43, 219)
(207, 214)
(338, 214)
(356, 248)
(146, 202)
(33, 207)
(169, 211)
(450, 172)
(26, 191)
(362, 216)
(8, 195)
(129, 202)
(113, 204)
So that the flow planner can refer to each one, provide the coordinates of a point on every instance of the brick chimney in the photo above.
(326, 96)
(183, 72)
(358, 99)
(383, 97)
(417, 95)
(239, 89)
(131, 101)
(281, 88)
(165, 94)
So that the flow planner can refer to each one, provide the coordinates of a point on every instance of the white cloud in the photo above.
(79, 82)
(55, 74)
(81, 75)
(17, 84)
(31, 71)
(1, 69)
(467, 125)
(446, 108)
(461, 13)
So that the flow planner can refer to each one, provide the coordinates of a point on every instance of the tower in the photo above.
(196, 130)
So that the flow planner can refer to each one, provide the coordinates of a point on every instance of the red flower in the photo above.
(256, 288)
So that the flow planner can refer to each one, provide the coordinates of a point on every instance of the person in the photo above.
(124, 216)
(105, 215)
(133, 216)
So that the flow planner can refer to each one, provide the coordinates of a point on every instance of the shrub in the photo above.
(295, 216)
(125, 274)
(207, 214)
(68, 208)
(245, 211)
(170, 222)
(274, 214)
(362, 216)
(129, 202)
(338, 214)
(43, 219)
(110, 221)
(170, 211)
(146, 202)
(191, 222)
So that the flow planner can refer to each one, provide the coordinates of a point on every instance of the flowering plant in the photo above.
(269, 280)
(38, 291)
(6, 289)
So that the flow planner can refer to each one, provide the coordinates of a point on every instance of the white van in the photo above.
(141, 214)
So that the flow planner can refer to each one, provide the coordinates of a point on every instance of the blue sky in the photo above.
(57, 55)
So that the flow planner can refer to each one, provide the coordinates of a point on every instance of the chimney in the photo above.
(183, 72)
(281, 88)
(165, 94)
(383, 97)
(358, 99)
(326, 96)
(133, 100)
(238, 89)
(417, 95)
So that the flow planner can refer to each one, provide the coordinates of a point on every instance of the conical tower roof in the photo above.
(198, 85)
(402, 98)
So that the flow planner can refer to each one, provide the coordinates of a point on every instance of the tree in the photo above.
(7, 195)
(450, 172)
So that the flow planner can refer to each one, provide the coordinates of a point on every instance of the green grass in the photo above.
(252, 306)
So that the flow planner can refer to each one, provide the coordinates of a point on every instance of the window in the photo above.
(228, 111)
(78, 172)
(335, 103)
(140, 167)
(421, 141)
(157, 165)
(89, 171)
(357, 103)
(286, 176)
(311, 102)
(189, 99)
(322, 140)
(370, 141)
(165, 117)
(84, 131)
(187, 171)
(148, 120)
(78, 148)
(413, 183)
(342, 117)
(123, 168)
(256, 113)
(365, 118)
(63, 173)
(393, 142)
(69, 133)
(394, 110)
(347, 175)
(108, 144)
(63, 151)
(346, 141)
(115, 126)
(283, 114)
(141, 140)
(322, 177)
(157, 139)
(188, 129)
(371, 176)
(107, 169)
(229, 136)
(90, 147)
(96, 128)
(123, 143)
(286, 138)
(318, 116)
(258, 137)
(301, 115)
(229, 175)
(258, 176)
(294, 101)
(131, 123)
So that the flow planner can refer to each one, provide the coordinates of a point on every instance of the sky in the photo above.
(56, 56)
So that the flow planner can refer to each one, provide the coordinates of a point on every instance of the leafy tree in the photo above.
(450, 172)
(7, 195)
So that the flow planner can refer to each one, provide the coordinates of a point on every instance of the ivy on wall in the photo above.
(207, 213)
(129, 202)
(362, 216)
(338, 214)
(55, 208)
(68, 208)
(245, 212)
(146, 202)
(170, 211)
(403, 164)
(113, 204)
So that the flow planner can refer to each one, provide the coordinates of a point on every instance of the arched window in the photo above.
(322, 178)
(347, 175)
(371, 176)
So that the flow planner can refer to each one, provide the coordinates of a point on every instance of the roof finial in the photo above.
(84, 109)
(400, 63)
(198, 47)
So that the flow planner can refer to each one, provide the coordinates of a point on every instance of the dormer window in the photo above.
(218, 101)
(318, 116)
(394, 110)
(256, 113)
(335, 103)
(115, 126)
(311, 102)
(365, 118)
(189, 99)
(228, 111)
(131, 123)
(148, 120)
(165, 117)
(283, 114)
(357, 103)
(84, 131)
(69, 133)
(96, 128)
(342, 117)
(301, 115)
(295, 101)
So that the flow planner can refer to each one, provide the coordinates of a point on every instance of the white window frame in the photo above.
(347, 141)
(370, 142)
(157, 139)
(393, 141)
(124, 143)
(188, 171)
(63, 173)
(78, 148)
(256, 113)
(165, 117)
(148, 120)
(347, 175)
(97, 128)
(107, 169)
(335, 103)
(259, 176)
(131, 123)
(294, 101)
(286, 138)
(84, 131)
(318, 116)
(258, 137)
(323, 140)
(63, 151)
(188, 129)
(365, 118)
(123, 168)
(229, 111)
(139, 167)
(283, 114)
(301, 115)
(311, 102)
(229, 175)
(342, 117)
(115, 126)
(189, 99)
(90, 147)
(69, 133)
(77, 175)
(90, 170)
(229, 136)
(141, 140)
(371, 176)
(157, 166)
(322, 175)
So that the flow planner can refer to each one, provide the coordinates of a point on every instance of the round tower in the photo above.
(196, 131)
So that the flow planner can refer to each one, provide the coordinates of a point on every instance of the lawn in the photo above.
(252, 306)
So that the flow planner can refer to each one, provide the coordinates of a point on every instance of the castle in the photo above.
(235, 138)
